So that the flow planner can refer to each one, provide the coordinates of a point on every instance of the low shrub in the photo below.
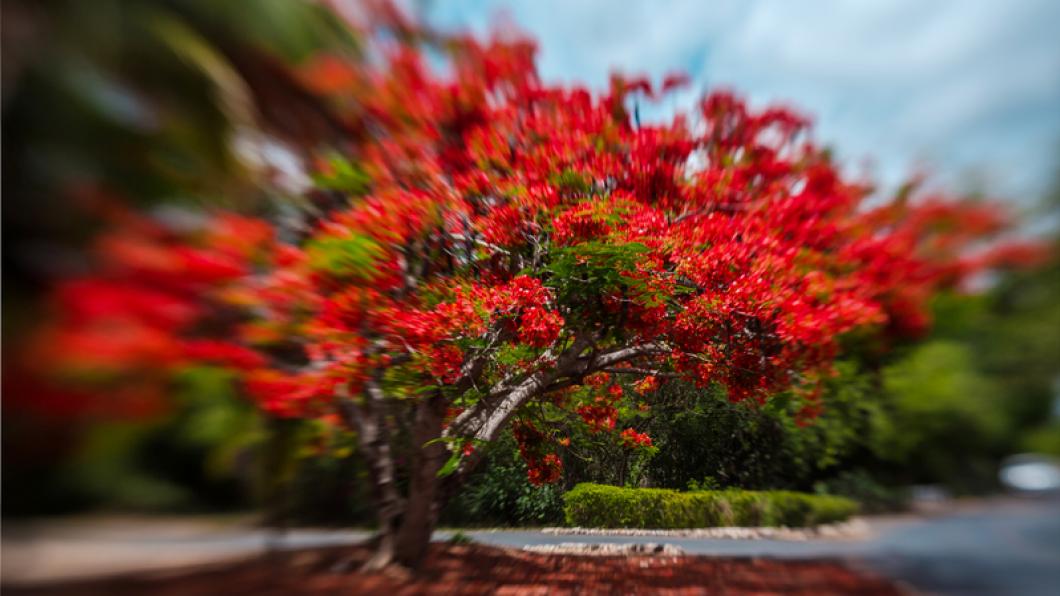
(596, 505)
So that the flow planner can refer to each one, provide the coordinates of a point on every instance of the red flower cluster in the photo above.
(633, 439)
(539, 327)
(648, 384)
(547, 470)
(544, 467)
(599, 417)
(112, 340)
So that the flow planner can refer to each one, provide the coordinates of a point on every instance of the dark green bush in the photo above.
(498, 493)
(596, 505)
(871, 495)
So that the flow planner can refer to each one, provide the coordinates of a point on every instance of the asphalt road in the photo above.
(1001, 547)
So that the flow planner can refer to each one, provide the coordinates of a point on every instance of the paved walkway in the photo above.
(97, 547)
(1010, 547)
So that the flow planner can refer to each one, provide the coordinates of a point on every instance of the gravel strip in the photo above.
(581, 548)
(852, 529)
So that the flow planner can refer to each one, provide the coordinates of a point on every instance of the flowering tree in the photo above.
(485, 242)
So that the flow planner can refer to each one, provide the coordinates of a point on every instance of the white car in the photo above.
(1030, 472)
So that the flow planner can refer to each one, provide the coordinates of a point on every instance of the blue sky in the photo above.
(969, 89)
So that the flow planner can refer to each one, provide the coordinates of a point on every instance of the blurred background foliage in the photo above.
(145, 99)
(169, 105)
(192, 102)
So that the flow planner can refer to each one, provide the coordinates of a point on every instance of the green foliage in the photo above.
(854, 416)
(1044, 439)
(707, 483)
(595, 268)
(215, 420)
(313, 474)
(938, 392)
(107, 469)
(595, 505)
(601, 457)
(571, 182)
(945, 422)
(1011, 333)
(859, 485)
(352, 256)
(199, 457)
(700, 434)
(704, 441)
(343, 175)
(500, 494)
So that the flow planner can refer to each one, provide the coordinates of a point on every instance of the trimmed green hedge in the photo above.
(600, 506)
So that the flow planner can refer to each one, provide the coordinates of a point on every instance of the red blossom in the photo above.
(223, 353)
(633, 439)
(648, 384)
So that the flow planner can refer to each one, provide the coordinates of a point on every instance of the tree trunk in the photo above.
(369, 420)
(405, 524)
(426, 495)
